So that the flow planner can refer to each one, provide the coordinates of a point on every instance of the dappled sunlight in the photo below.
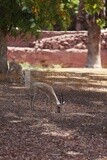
(55, 131)
(102, 158)
(62, 134)
(76, 70)
(93, 89)
(94, 80)
(78, 132)
(15, 121)
(11, 114)
(17, 87)
(98, 102)
(3, 99)
(82, 114)
(58, 77)
(73, 153)
(52, 129)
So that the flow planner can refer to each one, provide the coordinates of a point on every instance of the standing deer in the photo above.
(15, 69)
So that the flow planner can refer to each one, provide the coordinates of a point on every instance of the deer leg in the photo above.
(32, 100)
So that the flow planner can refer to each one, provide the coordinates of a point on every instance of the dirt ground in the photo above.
(79, 132)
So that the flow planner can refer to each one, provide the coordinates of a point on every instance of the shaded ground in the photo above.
(79, 132)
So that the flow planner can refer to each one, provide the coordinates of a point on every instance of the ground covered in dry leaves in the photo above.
(79, 132)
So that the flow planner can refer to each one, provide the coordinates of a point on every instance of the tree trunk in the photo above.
(94, 47)
(3, 53)
(80, 16)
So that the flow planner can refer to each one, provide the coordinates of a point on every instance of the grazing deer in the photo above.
(45, 88)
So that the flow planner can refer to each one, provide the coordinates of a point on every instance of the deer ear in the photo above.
(61, 98)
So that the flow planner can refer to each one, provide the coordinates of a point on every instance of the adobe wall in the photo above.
(69, 49)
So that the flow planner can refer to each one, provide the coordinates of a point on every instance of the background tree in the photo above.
(28, 16)
(80, 23)
(95, 18)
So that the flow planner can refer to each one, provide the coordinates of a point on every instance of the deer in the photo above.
(45, 88)
(15, 69)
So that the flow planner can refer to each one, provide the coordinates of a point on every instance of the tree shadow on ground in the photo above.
(79, 132)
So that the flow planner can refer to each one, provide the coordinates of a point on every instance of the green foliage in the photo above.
(18, 16)
(101, 22)
(93, 6)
